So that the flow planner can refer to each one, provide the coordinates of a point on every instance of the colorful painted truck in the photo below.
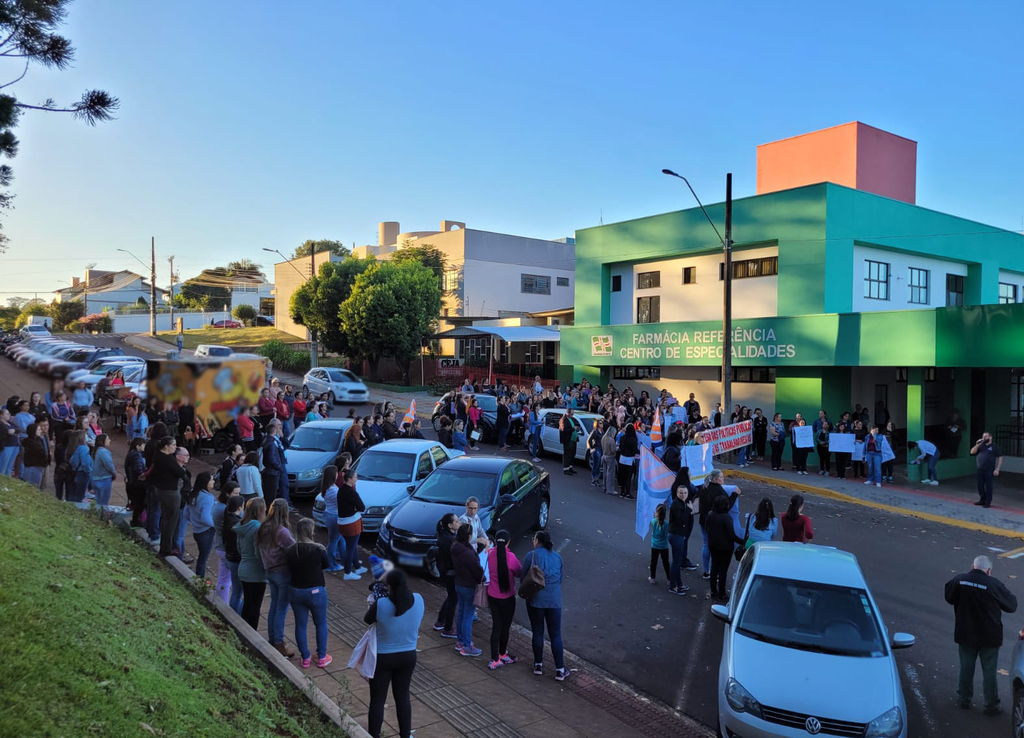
(219, 389)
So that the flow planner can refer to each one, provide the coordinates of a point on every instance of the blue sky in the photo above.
(243, 126)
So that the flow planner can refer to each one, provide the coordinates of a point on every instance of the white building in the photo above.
(100, 289)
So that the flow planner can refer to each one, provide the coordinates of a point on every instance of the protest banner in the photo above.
(728, 437)
(841, 443)
(803, 436)
(698, 459)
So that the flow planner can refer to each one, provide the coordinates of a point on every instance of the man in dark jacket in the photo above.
(389, 428)
(979, 599)
(568, 438)
(275, 470)
(374, 432)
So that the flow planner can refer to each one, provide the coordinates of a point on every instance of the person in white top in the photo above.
(928, 454)
(472, 518)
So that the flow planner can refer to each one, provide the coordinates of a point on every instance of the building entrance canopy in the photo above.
(984, 336)
(507, 333)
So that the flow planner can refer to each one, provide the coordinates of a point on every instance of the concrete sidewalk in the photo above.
(951, 502)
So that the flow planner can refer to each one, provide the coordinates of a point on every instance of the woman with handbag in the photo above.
(468, 574)
(398, 617)
(447, 527)
(503, 570)
(545, 606)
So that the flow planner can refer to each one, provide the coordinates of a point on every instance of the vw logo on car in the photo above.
(813, 725)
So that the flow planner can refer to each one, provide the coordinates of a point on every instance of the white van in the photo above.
(213, 351)
(44, 320)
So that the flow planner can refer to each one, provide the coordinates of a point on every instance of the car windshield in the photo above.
(455, 486)
(218, 351)
(340, 375)
(378, 466)
(308, 438)
(811, 616)
(487, 403)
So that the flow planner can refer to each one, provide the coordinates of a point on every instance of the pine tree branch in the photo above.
(20, 77)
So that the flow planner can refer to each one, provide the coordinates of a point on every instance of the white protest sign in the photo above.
(803, 436)
(841, 443)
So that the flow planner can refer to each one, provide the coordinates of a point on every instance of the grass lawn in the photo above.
(229, 336)
(98, 638)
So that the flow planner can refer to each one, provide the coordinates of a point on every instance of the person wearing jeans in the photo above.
(350, 524)
(468, 574)
(398, 617)
(8, 443)
(545, 607)
(307, 561)
(680, 525)
(777, 434)
(929, 454)
(536, 425)
(35, 455)
(229, 517)
(329, 491)
(274, 538)
(978, 600)
(873, 456)
(199, 513)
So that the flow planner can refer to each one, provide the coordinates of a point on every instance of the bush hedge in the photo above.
(285, 358)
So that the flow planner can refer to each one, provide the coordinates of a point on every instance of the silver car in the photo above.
(549, 431)
(310, 448)
(388, 473)
(1017, 686)
(341, 385)
(805, 649)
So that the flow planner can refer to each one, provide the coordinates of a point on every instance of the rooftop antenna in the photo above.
(602, 217)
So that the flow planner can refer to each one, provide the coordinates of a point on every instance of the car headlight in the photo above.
(311, 474)
(740, 699)
(379, 510)
(887, 725)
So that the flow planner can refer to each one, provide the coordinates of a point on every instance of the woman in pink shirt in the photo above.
(503, 569)
(474, 413)
(246, 429)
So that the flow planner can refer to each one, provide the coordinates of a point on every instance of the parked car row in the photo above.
(56, 358)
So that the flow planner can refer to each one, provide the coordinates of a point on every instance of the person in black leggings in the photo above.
(446, 529)
(722, 541)
(398, 617)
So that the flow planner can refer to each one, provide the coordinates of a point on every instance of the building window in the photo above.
(533, 353)
(450, 280)
(755, 374)
(1007, 293)
(876, 280)
(648, 310)
(765, 267)
(617, 283)
(689, 275)
(919, 286)
(954, 290)
(535, 284)
(1017, 398)
(648, 280)
(562, 281)
(636, 372)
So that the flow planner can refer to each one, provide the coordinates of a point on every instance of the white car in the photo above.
(34, 331)
(549, 431)
(126, 364)
(213, 351)
(806, 650)
(341, 385)
(388, 473)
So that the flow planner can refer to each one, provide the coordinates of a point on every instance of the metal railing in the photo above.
(1010, 439)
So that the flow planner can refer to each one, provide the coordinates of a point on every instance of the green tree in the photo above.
(315, 303)
(66, 313)
(8, 317)
(392, 311)
(209, 290)
(245, 313)
(33, 307)
(427, 255)
(317, 245)
(28, 32)
(244, 267)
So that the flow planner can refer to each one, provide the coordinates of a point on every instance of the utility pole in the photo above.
(171, 260)
(313, 348)
(727, 306)
(152, 286)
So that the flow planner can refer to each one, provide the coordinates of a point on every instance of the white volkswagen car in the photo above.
(549, 431)
(388, 473)
(806, 651)
(341, 385)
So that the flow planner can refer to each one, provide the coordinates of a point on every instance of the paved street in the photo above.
(612, 614)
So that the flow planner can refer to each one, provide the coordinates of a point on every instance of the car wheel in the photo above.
(436, 422)
(1018, 712)
(221, 442)
(305, 388)
(542, 514)
(330, 396)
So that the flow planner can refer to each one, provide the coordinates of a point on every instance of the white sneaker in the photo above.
(361, 570)
(878, 485)
(868, 482)
(935, 482)
(535, 459)
(351, 577)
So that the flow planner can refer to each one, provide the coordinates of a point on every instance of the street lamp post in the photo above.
(152, 283)
(726, 285)
(312, 272)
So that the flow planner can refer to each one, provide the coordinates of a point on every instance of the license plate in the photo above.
(410, 561)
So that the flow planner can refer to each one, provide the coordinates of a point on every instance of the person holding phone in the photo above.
(989, 459)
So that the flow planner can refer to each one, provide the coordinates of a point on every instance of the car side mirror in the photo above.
(721, 612)
(903, 640)
(507, 500)
(411, 488)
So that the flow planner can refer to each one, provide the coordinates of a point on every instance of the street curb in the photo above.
(285, 668)
(842, 497)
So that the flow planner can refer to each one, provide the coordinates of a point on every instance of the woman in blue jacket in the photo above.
(103, 472)
(199, 514)
(459, 442)
(536, 424)
(80, 461)
(545, 607)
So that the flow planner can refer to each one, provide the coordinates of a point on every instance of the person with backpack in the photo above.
(762, 525)
(544, 606)
(503, 569)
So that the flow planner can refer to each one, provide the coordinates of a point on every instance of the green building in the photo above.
(840, 297)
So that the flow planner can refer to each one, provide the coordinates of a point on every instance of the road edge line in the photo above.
(843, 497)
